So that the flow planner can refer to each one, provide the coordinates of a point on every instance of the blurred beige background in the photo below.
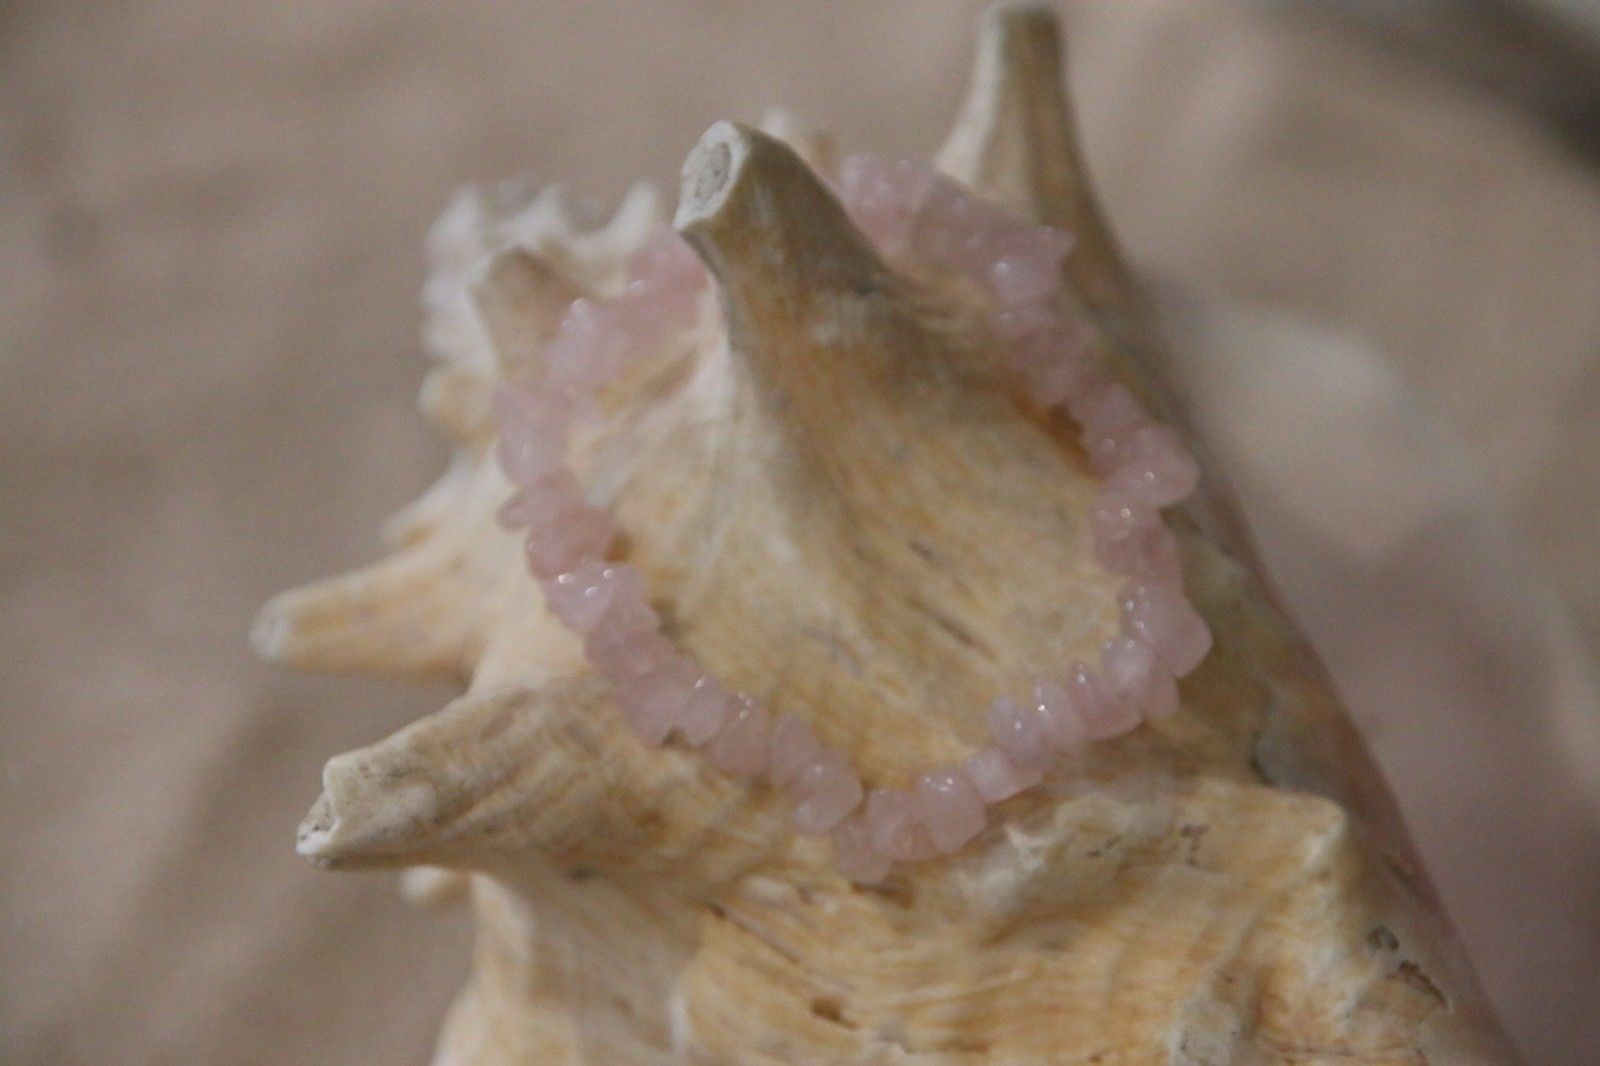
(211, 219)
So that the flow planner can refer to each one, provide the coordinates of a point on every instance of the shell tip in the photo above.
(710, 173)
(272, 631)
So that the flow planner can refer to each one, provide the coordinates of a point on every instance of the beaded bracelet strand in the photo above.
(908, 211)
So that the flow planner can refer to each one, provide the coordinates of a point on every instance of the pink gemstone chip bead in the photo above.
(997, 777)
(858, 859)
(960, 232)
(742, 746)
(951, 808)
(1154, 468)
(831, 790)
(707, 711)
(895, 828)
(581, 596)
(1021, 732)
(1160, 617)
(653, 701)
(1134, 676)
(883, 198)
(819, 776)
(1054, 703)
(794, 748)
(666, 260)
(626, 641)
(1104, 715)
(561, 540)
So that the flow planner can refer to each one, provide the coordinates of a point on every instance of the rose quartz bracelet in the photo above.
(909, 212)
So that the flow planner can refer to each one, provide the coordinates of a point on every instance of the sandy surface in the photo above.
(210, 227)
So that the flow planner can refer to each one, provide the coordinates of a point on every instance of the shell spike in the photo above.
(814, 146)
(811, 308)
(401, 617)
(635, 215)
(1015, 141)
(509, 771)
(742, 189)
(521, 296)
(406, 800)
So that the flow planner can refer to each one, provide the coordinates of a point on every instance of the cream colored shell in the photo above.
(843, 505)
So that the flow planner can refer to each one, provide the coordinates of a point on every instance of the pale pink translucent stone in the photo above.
(533, 434)
(1127, 664)
(536, 503)
(1150, 555)
(794, 748)
(581, 596)
(1161, 699)
(597, 341)
(895, 828)
(591, 349)
(653, 701)
(629, 610)
(831, 789)
(657, 308)
(1161, 617)
(1021, 732)
(997, 777)
(956, 230)
(1021, 279)
(1132, 674)
(547, 497)
(647, 313)
(852, 849)
(706, 712)
(624, 653)
(1051, 364)
(962, 232)
(1118, 516)
(1106, 407)
(821, 777)
(667, 259)
(1019, 323)
(1154, 467)
(627, 639)
(521, 508)
(741, 746)
(560, 541)
(883, 197)
(1016, 239)
(1104, 716)
(1109, 415)
(1053, 702)
(511, 402)
(639, 317)
(1107, 447)
(663, 292)
(951, 808)
(1130, 538)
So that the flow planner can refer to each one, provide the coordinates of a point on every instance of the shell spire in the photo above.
(403, 617)
(1015, 141)
(808, 302)
(811, 144)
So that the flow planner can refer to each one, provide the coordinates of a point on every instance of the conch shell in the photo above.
(842, 506)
